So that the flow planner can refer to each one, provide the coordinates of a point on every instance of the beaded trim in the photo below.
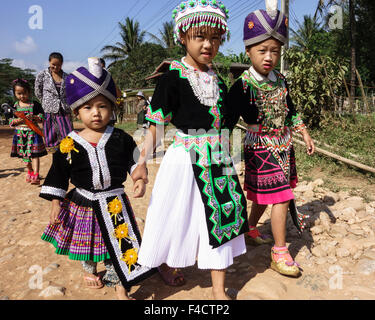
(102, 197)
(53, 191)
(197, 13)
(204, 84)
(270, 98)
(97, 158)
(158, 116)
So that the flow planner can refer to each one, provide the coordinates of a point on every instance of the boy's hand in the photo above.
(140, 172)
(139, 188)
(309, 142)
(55, 211)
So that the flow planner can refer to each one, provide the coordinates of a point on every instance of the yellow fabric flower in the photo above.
(122, 232)
(67, 145)
(114, 208)
(130, 257)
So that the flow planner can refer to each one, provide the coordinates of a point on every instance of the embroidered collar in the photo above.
(102, 141)
(97, 158)
(204, 84)
(262, 78)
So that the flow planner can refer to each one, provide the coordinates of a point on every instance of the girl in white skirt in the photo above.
(197, 210)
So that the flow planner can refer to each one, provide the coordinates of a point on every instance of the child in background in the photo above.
(262, 98)
(94, 222)
(197, 210)
(141, 110)
(50, 90)
(27, 144)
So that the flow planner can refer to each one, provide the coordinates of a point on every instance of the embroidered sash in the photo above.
(222, 195)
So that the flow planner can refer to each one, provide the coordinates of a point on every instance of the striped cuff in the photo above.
(52, 192)
(158, 116)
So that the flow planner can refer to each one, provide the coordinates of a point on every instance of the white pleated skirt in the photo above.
(176, 230)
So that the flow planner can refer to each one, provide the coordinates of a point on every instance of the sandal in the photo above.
(93, 282)
(35, 179)
(257, 237)
(171, 277)
(29, 176)
(282, 265)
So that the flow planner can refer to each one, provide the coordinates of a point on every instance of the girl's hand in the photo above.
(55, 211)
(139, 188)
(16, 122)
(140, 172)
(309, 142)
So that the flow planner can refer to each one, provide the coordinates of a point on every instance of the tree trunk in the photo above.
(352, 46)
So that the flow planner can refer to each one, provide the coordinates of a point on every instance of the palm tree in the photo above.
(131, 38)
(303, 37)
(166, 39)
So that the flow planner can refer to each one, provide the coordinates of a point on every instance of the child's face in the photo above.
(96, 113)
(21, 94)
(55, 65)
(265, 56)
(202, 45)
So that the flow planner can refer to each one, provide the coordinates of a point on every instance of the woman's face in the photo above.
(55, 65)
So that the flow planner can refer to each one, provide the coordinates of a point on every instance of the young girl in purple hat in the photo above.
(262, 98)
(94, 221)
(197, 212)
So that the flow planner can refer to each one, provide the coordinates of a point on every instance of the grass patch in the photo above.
(129, 126)
(349, 137)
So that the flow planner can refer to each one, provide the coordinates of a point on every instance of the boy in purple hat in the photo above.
(261, 97)
(94, 221)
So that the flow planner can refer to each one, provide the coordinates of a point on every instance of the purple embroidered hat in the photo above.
(261, 25)
(84, 84)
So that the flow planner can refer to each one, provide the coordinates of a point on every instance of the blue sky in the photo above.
(80, 28)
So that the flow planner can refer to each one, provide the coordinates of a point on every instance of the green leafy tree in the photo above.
(131, 38)
(322, 7)
(140, 63)
(306, 37)
(7, 74)
(313, 83)
(165, 39)
(240, 58)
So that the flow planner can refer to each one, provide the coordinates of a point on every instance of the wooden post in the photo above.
(330, 88)
(348, 93)
(231, 78)
(284, 63)
(362, 91)
(337, 157)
